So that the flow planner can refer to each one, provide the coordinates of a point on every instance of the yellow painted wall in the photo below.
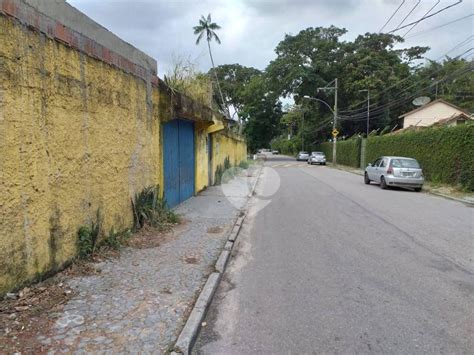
(226, 145)
(201, 157)
(76, 135)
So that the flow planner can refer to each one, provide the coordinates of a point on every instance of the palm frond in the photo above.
(216, 38)
(209, 18)
(199, 37)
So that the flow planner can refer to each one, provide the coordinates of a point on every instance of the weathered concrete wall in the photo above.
(76, 135)
(227, 145)
(80, 131)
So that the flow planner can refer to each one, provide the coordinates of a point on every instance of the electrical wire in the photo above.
(440, 26)
(404, 19)
(467, 40)
(427, 12)
(386, 23)
(393, 86)
(425, 17)
(406, 89)
(397, 103)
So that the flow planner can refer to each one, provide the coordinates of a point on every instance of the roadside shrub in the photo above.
(446, 154)
(149, 208)
(348, 151)
(244, 164)
(283, 145)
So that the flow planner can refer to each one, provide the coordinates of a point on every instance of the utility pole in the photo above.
(302, 133)
(334, 125)
(368, 110)
(334, 122)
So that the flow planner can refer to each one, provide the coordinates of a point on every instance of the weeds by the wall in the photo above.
(115, 240)
(88, 237)
(244, 164)
(149, 208)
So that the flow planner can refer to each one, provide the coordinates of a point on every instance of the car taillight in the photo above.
(390, 170)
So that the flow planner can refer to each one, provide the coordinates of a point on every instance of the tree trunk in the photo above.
(217, 80)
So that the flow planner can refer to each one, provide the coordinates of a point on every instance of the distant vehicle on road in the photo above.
(275, 152)
(395, 171)
(302, 156)
(317, 158)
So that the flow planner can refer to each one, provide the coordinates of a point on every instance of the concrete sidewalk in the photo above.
(140, 301)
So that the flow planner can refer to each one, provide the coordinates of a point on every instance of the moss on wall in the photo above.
(76, 134)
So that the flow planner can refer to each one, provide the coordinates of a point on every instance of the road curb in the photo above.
(469, 203)
(189, 333)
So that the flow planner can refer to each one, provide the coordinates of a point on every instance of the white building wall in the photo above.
(429, 115)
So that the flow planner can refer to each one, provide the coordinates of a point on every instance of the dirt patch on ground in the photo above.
(34, 310)
(215, 230)
(30, 312)
(149, 237)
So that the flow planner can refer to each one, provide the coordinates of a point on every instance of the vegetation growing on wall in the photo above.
(445, 154)
(186, 79)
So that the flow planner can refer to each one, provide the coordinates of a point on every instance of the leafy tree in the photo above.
(207, 27)
(451, 80)
(261, 112)
(234, 78)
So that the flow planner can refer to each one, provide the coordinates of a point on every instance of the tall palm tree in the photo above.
(208, 28)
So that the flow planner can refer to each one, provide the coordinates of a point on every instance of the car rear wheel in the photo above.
(383, 184)
(366, 179)
(417, 189)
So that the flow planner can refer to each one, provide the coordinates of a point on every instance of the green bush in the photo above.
(284, 146)
(348, 151)
(446, 154)
(149, 207)
(244, 164)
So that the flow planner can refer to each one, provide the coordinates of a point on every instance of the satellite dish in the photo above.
(420, 101)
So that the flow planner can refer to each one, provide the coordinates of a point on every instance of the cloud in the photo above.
(251, 29)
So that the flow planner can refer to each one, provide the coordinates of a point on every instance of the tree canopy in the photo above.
(315, 57)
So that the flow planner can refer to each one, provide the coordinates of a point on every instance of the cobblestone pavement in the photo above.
(140, 301)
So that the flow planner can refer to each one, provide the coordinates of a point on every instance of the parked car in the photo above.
(317, 158)
(302, 156)
(395, 171)
(275, 152)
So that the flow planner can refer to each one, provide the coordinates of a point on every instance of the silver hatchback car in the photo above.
(302, 156)
(395, 171)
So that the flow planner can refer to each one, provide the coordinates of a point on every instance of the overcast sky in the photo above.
(252, 28)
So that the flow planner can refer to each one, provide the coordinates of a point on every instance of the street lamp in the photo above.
(368, 109)
(334, 112)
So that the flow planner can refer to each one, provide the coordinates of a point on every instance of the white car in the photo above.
(302, 156)
(317, 158)
(395, 171)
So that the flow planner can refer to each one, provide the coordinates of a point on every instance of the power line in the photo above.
(427, 12)
(406, 89)
(386, 23)
(440, 26)
(425, 17)
(413, 9)
(467, 40)
(378, 111)
(392, 86)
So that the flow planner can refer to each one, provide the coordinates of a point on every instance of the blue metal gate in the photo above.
(178, 161)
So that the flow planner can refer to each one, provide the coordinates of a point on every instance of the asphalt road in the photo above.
(326, 264)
